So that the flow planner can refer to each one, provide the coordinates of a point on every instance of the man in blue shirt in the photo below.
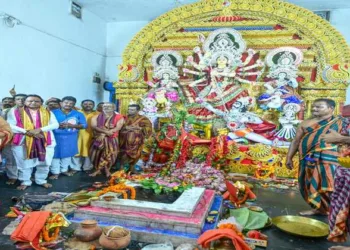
(66, 137)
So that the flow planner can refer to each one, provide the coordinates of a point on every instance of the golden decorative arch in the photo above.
(264, 25)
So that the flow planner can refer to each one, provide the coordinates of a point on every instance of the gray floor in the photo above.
(274, 202)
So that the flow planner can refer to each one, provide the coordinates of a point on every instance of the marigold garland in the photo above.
(120, 188)
(231, 226)
(47, 237)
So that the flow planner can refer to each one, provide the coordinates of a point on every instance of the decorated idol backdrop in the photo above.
(226, 84)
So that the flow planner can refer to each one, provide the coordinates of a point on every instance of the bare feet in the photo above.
(98, 172)
(72, 172)
(46, 185)
(54, 177)
(66, 173)
(22, 187)
(108, 173)
(312, 212)
(339, 248)
(11, 181)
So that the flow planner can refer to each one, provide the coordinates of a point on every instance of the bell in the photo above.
(224, 244)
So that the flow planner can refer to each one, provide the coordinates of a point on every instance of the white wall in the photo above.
(42, 64)
(51, 66)
(119, 34)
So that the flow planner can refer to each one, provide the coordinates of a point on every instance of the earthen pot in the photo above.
(88, 231)
(108, 241)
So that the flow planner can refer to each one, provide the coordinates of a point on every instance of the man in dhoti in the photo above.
(105, 147)
(85, 135)
(318, 159)
(33, 142)
(136, 130)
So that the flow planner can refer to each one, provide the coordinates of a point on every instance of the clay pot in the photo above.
(109, 240)
(88, 231)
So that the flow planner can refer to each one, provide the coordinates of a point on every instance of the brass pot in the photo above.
(88, 231)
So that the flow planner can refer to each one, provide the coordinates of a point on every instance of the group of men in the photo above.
(60, 139)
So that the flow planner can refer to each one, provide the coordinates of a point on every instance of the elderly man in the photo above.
(104, 148)
(85, 135)
(318, 159)
(136, 130)
(71, 121)
(33, 142)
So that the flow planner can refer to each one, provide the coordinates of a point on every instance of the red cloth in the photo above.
(262, 128)
(30, 227)
(215, 234)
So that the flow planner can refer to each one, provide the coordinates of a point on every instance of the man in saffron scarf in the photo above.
(104, 148)
(136, 129)
(33, 142)
(318, 159)
(85, 135)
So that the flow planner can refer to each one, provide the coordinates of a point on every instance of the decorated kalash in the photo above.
(224, 86)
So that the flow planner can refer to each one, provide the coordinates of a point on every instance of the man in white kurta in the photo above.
(34, 142)
(10, 164)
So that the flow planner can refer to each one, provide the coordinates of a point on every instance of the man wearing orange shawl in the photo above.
(136, 129)
(5, 134)
(105, 147)
(33, 142)
(86, 135)
(318, 159)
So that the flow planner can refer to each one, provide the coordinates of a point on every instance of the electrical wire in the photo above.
(11, 21)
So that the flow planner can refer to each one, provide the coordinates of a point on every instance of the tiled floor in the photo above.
(274, 202)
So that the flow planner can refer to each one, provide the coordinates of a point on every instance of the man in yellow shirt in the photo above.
(85, 135)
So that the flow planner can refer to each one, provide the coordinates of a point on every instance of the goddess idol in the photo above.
(219, 69)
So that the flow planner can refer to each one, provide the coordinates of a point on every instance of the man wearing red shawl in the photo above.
(136, 129)
(33, 142)
(104, 148)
